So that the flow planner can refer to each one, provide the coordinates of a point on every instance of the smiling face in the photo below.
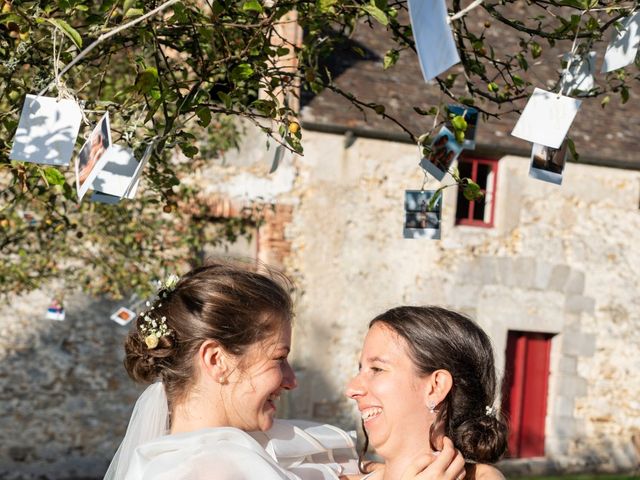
(391, 396)
(257, 382)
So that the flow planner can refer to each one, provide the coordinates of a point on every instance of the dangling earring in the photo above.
(431, 405)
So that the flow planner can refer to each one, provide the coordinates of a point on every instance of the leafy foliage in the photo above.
(185, 76)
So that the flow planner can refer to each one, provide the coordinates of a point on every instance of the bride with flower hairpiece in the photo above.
(214, 348)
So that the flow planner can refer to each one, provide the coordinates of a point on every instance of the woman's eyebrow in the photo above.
(377, 359)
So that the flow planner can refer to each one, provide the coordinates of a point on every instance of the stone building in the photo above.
(550, 272)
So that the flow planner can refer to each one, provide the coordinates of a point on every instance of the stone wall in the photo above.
(561, 260)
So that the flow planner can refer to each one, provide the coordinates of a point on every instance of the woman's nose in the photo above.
(289, 381)
(354, 388)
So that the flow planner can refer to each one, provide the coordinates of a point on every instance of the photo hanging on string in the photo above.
(444, 151)
(421, 219)
(547, 163)
(92, 158)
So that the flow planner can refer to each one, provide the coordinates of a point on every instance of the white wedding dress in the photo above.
(290, 450)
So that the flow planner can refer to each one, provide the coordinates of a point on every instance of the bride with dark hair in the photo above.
(427, 374)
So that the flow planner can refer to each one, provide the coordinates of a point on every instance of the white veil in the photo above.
(149, 420)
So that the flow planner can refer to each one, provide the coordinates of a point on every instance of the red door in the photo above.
(525, 389)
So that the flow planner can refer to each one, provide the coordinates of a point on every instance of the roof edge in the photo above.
(482, 150)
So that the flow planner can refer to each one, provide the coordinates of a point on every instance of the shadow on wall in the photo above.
(65, 397)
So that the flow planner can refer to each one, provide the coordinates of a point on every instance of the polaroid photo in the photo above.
(580, 74)
(470, 114)
(120, 176)
(92, 158)
(624, 45)
(123, 316)
(546, 118)
(419, 221)
(55, 311)
(433, 37)
(47, 131)
(444, 150)
(547, 164)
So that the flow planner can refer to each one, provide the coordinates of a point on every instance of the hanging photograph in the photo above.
(444, 150)
(547, 164)
(421, 221)
(55, 311)
(623, 48)
(47, 131)
(433, 37)
(123, 316)
(546, 118)
(470, 115)
(92, 158)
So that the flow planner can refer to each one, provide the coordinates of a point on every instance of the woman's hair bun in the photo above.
(482, 439)
(143, 364)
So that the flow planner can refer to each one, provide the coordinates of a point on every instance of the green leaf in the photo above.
(390, 59)
(241, 72)
(379, 109)
(126, 5)
(536, 49)
(471, 190)
(134, 12)
(204, 116)
(376, 13)
(517, 80)
(325, 5)
(68, 30)
(53, 176)
(147, 80)
(226, 99)
(493, 87)
(572, 150)
(420, 111)
(624, 94)
(252, 6)
(431, 207)
(605, 101)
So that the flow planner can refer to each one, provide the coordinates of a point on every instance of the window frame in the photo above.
(469, 220)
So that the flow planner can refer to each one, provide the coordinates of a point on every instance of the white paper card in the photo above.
(546, 118)
(92, 158)
(119, 168)
(579, 75)
(47, 131)
(547, 164)
(433, 37)
(624, 45)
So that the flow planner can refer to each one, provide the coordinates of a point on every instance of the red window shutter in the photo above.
(525, 391)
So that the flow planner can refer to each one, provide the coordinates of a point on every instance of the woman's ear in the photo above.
(438, 386)
(214, 361)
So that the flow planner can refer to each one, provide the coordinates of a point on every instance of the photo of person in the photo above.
(548, 163)
(470, 115)
(91, 155)
(421, 221)
(444, 150)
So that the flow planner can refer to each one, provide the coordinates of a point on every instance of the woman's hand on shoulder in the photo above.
(488, 472)
(448, 465)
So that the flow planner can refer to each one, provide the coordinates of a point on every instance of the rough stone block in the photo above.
(578, 344)
(579, 304)
(568, 365)
(464, 296)
(554, 446)
(559, 277)
(542, 275)
(564, 427)
(571, 386)
(563, 406)
(575, 282)
(520, 273)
